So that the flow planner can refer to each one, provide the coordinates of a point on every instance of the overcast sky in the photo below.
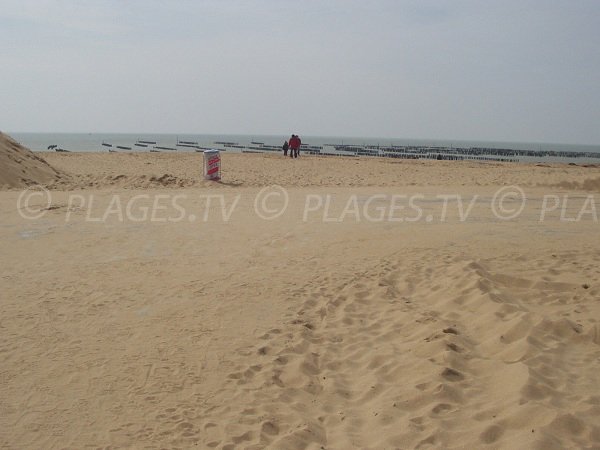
(484, 70)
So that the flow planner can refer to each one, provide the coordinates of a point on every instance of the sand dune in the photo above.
(19, 167)
(298, 334)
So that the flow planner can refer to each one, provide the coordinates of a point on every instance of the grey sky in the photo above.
(491, 70)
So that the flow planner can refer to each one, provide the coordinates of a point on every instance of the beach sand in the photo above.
(20, 167)
(222, 326)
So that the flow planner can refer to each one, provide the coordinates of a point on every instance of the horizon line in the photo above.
(309, 135)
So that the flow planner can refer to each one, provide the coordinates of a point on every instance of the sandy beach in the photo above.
(318, 303)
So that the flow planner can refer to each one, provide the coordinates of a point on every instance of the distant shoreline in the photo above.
(400, 148)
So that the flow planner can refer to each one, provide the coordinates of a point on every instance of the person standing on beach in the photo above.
(295, 143)
(291, 140)
(285, 148)
(298, 147)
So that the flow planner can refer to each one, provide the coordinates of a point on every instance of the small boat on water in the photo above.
(165, 148)
(106, 144)
(146, 142)
(186, 143)
(257, 143)
(137, 144)
(123, 147)
(154, 151)
(52, 147)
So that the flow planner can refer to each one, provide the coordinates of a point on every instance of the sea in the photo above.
(101, 142)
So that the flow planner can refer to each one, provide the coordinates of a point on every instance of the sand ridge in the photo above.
(148, 170)
(20, 167)
(468, 343)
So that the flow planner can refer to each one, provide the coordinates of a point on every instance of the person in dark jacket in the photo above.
(285, 148)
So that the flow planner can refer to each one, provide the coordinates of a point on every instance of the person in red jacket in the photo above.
(295, 143)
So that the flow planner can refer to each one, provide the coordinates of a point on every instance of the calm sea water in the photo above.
(92, 142)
